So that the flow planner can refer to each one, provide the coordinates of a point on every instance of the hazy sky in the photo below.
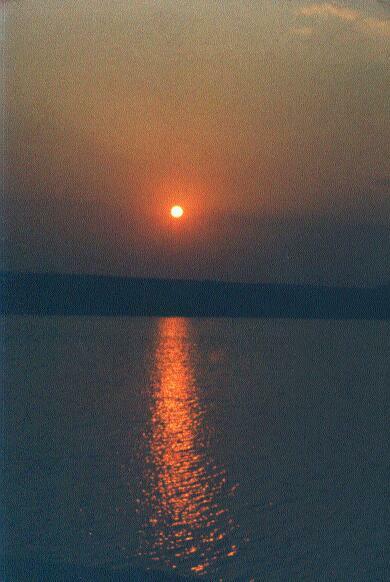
(267, 120)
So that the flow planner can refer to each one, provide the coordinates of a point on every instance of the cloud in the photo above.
(377, 26)
(327, 9)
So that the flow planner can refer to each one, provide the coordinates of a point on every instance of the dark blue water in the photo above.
(224, 449)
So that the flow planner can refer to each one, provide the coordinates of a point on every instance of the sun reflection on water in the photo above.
(186, 525)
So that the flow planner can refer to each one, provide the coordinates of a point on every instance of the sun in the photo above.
(177, 211)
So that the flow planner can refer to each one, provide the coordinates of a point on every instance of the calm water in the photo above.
(228, 449)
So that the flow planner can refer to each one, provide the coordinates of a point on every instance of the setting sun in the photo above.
(177, 211)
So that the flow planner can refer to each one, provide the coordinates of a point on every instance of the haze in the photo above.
(267, 121)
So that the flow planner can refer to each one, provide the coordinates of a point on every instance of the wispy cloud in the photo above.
(327, 9)
(356, 18)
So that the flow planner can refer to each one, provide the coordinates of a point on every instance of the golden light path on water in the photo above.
(186, 524)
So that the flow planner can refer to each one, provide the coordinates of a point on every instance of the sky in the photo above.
(268, 121)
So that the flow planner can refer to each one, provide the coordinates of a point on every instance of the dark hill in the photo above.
(47, 294)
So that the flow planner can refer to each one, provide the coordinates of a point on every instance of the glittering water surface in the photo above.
(184, 489)
(223, 449)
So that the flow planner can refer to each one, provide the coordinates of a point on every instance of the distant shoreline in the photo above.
(59, 294)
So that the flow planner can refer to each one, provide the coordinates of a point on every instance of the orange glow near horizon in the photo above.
(177, 211)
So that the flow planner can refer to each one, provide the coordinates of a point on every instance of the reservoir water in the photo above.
(225, 449)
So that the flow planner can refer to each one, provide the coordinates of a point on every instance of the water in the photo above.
(215, 448)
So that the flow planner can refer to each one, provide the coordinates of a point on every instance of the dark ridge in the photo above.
(56, 294)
